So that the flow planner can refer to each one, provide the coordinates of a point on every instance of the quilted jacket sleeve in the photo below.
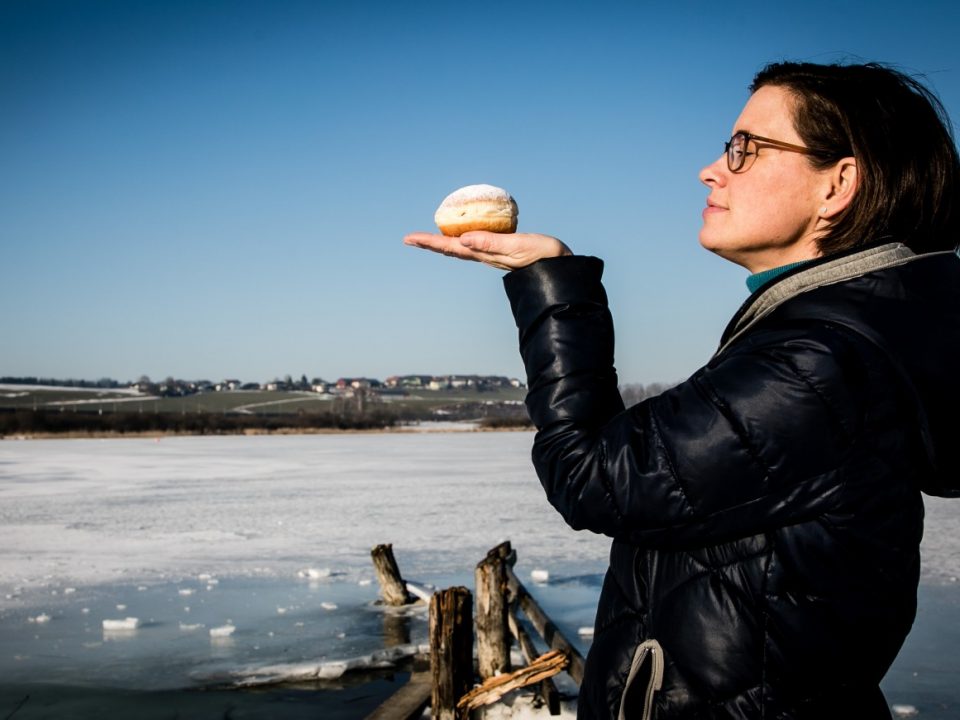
(754, 440)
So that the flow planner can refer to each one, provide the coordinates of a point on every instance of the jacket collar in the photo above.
(817, 273)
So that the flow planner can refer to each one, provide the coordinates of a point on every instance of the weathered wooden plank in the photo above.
(548, 688)
(545, 626)
(547, 665)
(451, 650)
(408, 702)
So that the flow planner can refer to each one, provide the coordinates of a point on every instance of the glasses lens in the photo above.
(736, 152)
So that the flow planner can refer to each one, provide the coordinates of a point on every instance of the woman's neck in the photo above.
(758, 280)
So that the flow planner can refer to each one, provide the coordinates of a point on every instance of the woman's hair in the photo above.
(900, 136)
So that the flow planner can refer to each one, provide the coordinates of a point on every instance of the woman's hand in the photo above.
(499, 250)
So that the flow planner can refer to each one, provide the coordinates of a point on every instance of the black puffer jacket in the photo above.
(766, 513)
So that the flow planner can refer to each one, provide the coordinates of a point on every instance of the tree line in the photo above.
(343, 415)
(102, 383)
(359, 413)
(43, 422)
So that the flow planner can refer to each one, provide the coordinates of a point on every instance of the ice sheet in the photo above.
(84, 512)
(271, 535)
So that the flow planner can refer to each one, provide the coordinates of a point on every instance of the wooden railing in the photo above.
(502, 602)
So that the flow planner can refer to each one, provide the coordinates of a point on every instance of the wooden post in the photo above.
(506, 553)
(493, 634)
(392, 587)
(451, 650)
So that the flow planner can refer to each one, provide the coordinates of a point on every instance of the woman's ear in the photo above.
(842, 181)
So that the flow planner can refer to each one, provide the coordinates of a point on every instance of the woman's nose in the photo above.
(713, 174)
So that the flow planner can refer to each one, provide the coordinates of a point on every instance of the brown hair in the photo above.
(900, 136)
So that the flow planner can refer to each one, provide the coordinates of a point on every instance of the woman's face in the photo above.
(768, 214)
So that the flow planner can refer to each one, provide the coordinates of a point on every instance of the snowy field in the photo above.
(155, 565)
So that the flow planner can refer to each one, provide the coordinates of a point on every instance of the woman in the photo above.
(766, 514)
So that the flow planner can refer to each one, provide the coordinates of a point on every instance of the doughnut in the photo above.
(477, 207)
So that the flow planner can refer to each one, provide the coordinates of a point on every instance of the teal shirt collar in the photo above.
(757, 280)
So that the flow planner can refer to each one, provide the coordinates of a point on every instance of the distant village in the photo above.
(394, 385)
(347, 386)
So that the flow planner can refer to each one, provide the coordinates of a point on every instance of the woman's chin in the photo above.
(715, 246)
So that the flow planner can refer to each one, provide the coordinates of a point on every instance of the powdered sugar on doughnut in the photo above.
(470, 193)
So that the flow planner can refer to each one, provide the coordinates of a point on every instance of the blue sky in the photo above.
(220, 189)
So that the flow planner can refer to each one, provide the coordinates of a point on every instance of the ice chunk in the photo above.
(904, 710)
(188, 627)
(185, 591)
(130, 623)
(328, 670)
(40, 619)
(328, 605)
(222, 631)
(419, 590)
(540, 576)
(314, 573)
(585, 632)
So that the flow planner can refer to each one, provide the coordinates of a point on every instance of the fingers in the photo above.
(515, 250)
(453, 246)
(475, 240)
(427, 241)
(424, 240)
(485, 242)
(449, 246)
(501, 250)
(436, 243)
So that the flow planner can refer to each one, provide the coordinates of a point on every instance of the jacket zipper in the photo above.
(651, 649)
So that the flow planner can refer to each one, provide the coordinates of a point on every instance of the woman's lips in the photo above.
(712, 209)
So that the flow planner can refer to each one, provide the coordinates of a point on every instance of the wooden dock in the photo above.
(445, 686)
(409, 702)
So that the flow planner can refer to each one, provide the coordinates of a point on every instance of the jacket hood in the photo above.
(909, 306)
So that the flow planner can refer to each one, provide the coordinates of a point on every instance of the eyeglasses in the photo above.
(737, 153)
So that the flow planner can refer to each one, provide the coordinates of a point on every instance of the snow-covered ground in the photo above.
(128, 561)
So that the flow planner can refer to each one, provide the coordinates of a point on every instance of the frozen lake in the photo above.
(271, 535)
(85, 512)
